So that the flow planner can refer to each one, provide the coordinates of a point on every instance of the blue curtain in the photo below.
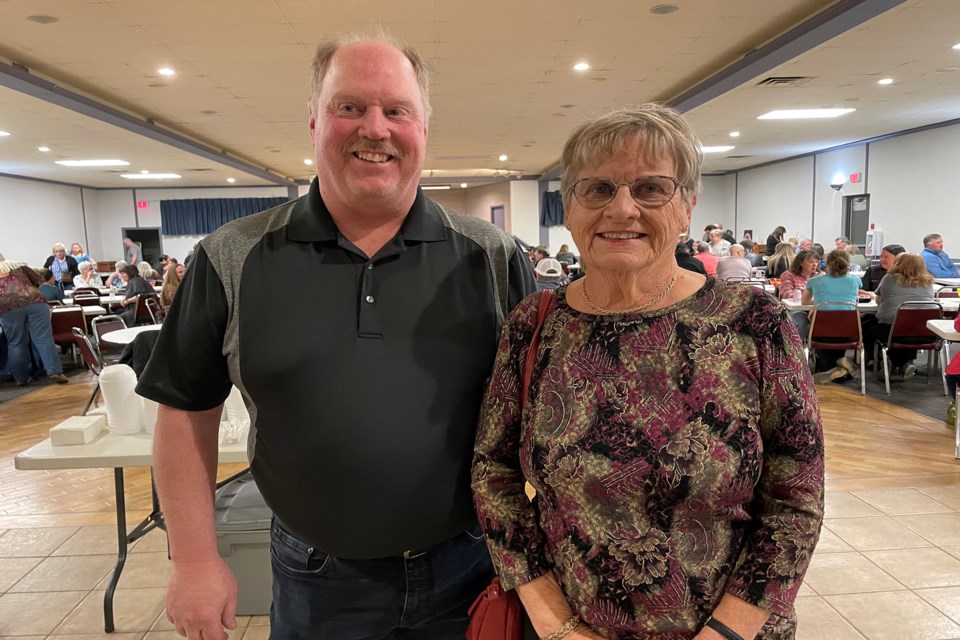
(204, 215)
(551, 212)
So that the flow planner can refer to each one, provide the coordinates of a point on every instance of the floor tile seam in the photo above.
(891, 515)
(955, 620)
(929, 543)
(843, 617)
(954, 510)
(879, 568)
(918, 532)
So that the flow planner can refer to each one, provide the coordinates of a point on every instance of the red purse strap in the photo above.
(546, 297)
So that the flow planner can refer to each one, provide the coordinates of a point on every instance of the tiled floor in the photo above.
(887, 567)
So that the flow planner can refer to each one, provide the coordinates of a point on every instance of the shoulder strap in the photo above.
(546, 297)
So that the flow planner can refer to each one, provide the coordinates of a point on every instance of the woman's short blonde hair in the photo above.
(838, 263)
(660, 131)
(58, 246)
(910, 271)
(145, 269)
(85, 265)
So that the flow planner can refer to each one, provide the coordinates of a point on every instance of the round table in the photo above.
(126, 336)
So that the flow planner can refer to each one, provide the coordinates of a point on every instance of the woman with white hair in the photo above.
(64, 267)
(88, 276)
(147, 271)
(115, 281)
(25, 318)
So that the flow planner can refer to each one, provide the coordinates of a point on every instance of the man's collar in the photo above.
(311, 220)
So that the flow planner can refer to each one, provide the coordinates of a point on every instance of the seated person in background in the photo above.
(729, 237)
(116, 279)
(820, 252)
(842, 243)
(804, 244)
(793, 282)
(147, 271)
(182, 270)
(836, 285)
(549, 274)
(907, 281)
(88, 276)
(49, 289)
(871, 280)
(706, 232)
(565, 256)
(64, 267)
(164, 260)
(718, 246)
(687, 261)
(856, 258)
(687, 241)
(756, 260)
(708, 259)
(781, 260)
(171, 282)
(734, 265)
(135, 285)
(938, 262)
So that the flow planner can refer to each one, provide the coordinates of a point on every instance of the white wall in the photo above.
(35, 215)
(914, 187)
(828, 203)
(91, 207)
(716, 204)
(775, 195)
(455, 198)
(117, 207)
(524, 218)
(480, 199)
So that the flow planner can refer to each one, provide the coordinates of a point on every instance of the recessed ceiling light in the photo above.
(504, 157)
(885, 81)
(150, 176)
(734, 134)
(4, 134)
(463, 185)
(797, 114)
(166, 71)
(664, 9)
(42, 19)
(144, 171)
(435, 187)
(93, 163)
(44, 149)
(308, 161)
(581, 66)
(957, 46)
(718, 149)
(231, 180)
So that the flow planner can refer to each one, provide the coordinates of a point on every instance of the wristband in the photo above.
(722, 629)
(565, 629)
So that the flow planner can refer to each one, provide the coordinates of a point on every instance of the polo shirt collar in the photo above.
(311, 221)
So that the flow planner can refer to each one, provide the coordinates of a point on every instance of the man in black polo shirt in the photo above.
(360, 324)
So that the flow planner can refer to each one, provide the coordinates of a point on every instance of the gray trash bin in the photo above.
(243, 541)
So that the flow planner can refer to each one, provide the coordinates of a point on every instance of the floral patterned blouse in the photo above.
(676, 455)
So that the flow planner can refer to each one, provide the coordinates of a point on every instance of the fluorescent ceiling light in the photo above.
(150, 176)
(308, 161)
(231, 180)
(885, 81)
(166, 71)
(93, 163)
(581, 66)
(435, 187)
(504, 157)
(718, 149)
(4, 133)
(44, 149)
(734, 134)
(799, 114)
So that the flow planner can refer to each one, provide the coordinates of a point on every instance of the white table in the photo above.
(948, 304)
(117, 451)
(948, 282)
(105, 301)
(945, 330)
(126, 336)
(87, 311)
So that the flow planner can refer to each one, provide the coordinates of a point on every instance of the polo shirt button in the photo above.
(370, 299)
(370, 266)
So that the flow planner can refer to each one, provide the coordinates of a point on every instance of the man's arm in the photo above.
(202, 594)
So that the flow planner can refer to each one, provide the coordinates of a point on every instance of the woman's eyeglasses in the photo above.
(651, 192)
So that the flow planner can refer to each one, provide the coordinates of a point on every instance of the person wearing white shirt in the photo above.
(718, 246)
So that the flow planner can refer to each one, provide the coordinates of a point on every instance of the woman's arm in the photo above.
(807, 296)
(547, 608)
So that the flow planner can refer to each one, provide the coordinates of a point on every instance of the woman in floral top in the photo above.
(671, 432)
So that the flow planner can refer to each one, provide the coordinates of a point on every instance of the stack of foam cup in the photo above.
(150, 409)
(124, 409)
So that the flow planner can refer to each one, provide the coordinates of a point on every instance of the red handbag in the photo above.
(497, 614)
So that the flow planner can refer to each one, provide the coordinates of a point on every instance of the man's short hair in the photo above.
(894, 249)
(703, 247)
(325, 51)
(747, 246)
(737, 250)
(842, 239)
(930, 237)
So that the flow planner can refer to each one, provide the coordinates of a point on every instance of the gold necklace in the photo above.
(599, 309)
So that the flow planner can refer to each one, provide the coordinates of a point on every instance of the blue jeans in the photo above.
(425, 595)
(29, 324)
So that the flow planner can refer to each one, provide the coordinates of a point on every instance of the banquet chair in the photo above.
(86, 290)
(143, 315)
(154, 309)
(63, 321)
(909, 332)
(109, 351)
(836, 326)
(87, 299)
(92, 359)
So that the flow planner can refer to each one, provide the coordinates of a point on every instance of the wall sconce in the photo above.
(837, 182)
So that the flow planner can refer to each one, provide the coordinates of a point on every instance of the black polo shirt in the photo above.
(363, 376)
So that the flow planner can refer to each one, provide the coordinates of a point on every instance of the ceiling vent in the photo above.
(784, 81)
(737, 157)
(199, 170)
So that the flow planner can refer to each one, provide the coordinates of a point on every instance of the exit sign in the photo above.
(855, 178)
(143, 204)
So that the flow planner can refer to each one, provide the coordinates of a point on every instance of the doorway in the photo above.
(497, 216)
(150, 241)
(856, 219)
